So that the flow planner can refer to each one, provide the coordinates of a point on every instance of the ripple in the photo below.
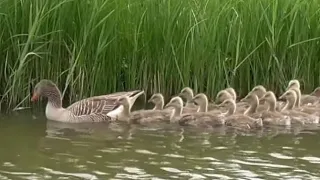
(170, 169)
(110, 150)
(174, 155)
(220, 147)
(142, 151)
(8, 164)
(218, 176)
(280, 156)
(100, 173)
(193, 175)
(79, 175)
(260, 164)
(310, 159)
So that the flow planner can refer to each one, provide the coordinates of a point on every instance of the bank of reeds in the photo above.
(93, 47)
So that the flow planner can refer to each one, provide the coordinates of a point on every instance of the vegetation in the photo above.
(92, 47)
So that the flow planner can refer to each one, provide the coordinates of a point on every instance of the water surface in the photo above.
(33, 148)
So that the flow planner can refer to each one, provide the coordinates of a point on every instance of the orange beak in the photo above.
(35, 97)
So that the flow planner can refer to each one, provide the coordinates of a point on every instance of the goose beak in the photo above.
(34, 97)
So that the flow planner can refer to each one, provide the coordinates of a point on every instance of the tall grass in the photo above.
(92, 47)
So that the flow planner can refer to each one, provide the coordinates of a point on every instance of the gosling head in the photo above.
(259, 90)
(269, 97)
(199, 99)
(156, 98)
(227, 103)
(232, 92)
(293, 84)
(250, 97)
(289, 95)
(187, 93)
(223, 95)
(316, 92)
(175, 102)
(123, 100)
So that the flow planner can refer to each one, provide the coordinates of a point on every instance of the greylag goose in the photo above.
(297, 117)
(92, 109)
(271, 116)
(239, 120)
(140, 116)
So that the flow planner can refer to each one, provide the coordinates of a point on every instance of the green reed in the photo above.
(92, 47)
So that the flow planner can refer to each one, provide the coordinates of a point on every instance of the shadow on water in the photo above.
(34, 148)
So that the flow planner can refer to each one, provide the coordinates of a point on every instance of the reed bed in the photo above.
(92, 47)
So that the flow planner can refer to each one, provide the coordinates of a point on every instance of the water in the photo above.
(33, 148)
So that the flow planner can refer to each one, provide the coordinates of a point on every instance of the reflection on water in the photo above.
(33, 148)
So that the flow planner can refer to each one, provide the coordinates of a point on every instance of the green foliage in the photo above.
(92, 47)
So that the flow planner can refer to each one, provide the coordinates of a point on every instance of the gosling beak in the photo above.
(262, 100)
(168, 105)
(243, 100)
(282, 97)
(220, 105)
(150, 100)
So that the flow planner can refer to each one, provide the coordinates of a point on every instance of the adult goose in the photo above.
(92, 109)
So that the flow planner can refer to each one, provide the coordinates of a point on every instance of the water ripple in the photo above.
(154, 153)
(79, 175)
(280, 156)
(260, 164)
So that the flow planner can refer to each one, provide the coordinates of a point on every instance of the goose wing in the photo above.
(98, 104)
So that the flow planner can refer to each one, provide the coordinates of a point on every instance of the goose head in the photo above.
(46, 88)
(294, 83)
(158, 100)
(259, 91)
(186, 93)
(223, 95)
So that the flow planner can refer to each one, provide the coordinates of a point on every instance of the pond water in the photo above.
(33, 148)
